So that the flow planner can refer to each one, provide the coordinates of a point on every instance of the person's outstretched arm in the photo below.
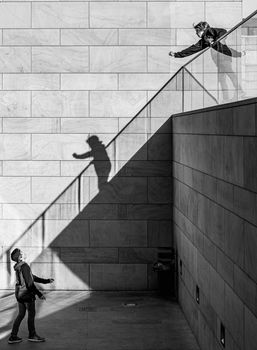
(42, 280)
(82, 156)
(228, 51)
(188, 51)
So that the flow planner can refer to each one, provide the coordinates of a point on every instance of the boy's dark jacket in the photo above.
(25, 289)
(216, 33)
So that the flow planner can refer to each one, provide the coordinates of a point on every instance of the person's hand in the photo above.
(51, 280)
(74, 155)
(210, 41)
(42, 297)
(172, 54)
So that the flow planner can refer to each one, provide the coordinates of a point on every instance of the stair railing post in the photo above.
(183, 89)
(79, 193)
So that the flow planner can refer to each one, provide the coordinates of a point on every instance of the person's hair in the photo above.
(15, 254)
(201, 26)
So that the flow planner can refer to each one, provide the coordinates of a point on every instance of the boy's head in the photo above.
(16, 255)
(200, 28)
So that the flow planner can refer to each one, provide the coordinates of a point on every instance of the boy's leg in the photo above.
(224, 86)
(31, 317)
(31, 323)
(19, 318)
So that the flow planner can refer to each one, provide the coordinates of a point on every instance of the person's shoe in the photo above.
(14, 339)
(36, 338)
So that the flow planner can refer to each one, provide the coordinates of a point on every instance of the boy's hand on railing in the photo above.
(172, 54)
(42, 297)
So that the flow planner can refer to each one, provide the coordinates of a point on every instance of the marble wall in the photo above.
(215, 222)
(70, 69)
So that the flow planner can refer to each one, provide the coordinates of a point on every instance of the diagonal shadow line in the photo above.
(87, 167)
(43, 214)
(42, 217)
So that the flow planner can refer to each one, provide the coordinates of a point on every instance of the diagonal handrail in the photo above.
(181, 69)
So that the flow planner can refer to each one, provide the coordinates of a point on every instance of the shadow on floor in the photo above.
(100, 321)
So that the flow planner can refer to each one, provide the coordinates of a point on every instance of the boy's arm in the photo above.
(28, 278)
(41, 280)
(190, 50)
(228, 51)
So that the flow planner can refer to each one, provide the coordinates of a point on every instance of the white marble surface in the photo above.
(60, 59)
(20, 211)
(60, 104)
(118, 104)
(15, 189)
(31, 37)
(60, 15)
(146, 81)
(147, 36)
(31, 81)
(174, 14)
(31, 125)
(15, 147)
(15, 15)
(15, 59)
(89, 82)
(89, 37)
(46, 189)
(31, 168)
(118, 14)
(229, 14)
(89, 125)
(118, 59)
(15, 103)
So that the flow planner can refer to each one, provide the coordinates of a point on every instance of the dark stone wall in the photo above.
(215, 221)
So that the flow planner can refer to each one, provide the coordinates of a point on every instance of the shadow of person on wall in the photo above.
(101, 161)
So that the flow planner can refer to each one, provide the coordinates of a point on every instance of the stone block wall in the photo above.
(70, 69)
(215, 221)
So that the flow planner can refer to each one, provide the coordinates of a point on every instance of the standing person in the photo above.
(25, 291)
(208, 36)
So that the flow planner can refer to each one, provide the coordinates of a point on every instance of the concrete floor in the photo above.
(96, 321)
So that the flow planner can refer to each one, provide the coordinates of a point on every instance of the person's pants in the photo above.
(31, 318)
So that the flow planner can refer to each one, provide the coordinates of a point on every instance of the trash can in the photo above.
(165, 278)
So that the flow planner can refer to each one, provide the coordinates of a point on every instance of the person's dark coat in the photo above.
(202, 44)
(25, 289)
